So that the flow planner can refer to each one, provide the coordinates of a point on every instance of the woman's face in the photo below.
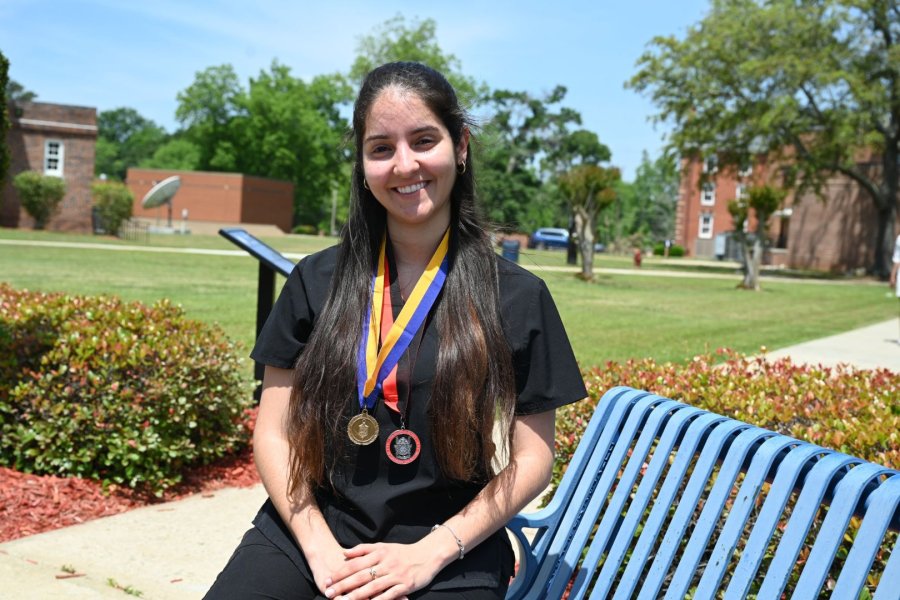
(409, 159)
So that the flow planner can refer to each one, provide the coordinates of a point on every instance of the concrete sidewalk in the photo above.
(174, 551)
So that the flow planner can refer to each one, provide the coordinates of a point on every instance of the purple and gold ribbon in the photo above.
(374, 363)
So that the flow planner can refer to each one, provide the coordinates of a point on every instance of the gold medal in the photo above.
(363, 429)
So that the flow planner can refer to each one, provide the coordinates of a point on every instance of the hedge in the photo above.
(114, 391)
(855, 411)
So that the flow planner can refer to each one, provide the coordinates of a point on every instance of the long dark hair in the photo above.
(473, 383)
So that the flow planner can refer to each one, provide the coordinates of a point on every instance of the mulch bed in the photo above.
(32, 504)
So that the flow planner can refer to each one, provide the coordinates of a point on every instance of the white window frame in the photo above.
(745, 171)
(59, 157)
(708, 193)
(711, 164)
(705, 231)
(740, 191)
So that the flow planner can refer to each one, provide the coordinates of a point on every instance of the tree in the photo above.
(590, 188)
(205, 110)
(566, 152)
(16, 92)
(279, 126)
(125, 139)
(178, 154)
(39, 194)
(655, 196)
(520, 129)
(5, 98)
(815, 85)
(416, 42)
(763, 201)
(285, 130)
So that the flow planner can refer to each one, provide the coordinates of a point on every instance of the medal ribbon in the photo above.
(389, 387)
(375, 364)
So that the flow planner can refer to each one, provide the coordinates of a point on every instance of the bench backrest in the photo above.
(665, 500)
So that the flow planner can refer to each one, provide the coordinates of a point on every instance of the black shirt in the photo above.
(378, 500)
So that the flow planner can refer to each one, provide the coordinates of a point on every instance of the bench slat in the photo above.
(674, 430)
(789, 472)
(883, 505)
(648, 540)
(846, 497)
(744, 503)
(801, 520)
(712, 510)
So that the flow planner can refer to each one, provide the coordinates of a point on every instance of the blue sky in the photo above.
(113, 53)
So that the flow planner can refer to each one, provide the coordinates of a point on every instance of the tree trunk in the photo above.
(572, 249)
(584, 223)
(751, 277)
(887, 210)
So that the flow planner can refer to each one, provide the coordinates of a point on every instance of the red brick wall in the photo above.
(268, 201)
(689, 208)
(217, 197)
(835, 233)
(832, 233)
(33, 123)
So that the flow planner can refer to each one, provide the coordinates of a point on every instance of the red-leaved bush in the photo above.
(114, 391)
(855, 411)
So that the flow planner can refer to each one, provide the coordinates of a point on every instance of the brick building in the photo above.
(217, 197)
(832, 233)
(57, 140)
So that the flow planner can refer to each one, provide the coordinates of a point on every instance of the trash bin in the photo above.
(510, 250)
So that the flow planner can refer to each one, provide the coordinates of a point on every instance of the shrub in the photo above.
(675, 250)
(39, 195)
(114, 203)
(855, 411)
(122, 393)
(305, 229)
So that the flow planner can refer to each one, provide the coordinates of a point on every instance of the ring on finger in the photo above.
(373, 572)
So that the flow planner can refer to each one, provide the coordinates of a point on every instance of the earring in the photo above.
(461, 168)
(366, 184)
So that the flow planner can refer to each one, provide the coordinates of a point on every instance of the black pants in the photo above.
(259, 570)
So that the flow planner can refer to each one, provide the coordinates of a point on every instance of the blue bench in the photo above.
(665, 500)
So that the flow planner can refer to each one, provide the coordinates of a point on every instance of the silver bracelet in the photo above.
(459, 544)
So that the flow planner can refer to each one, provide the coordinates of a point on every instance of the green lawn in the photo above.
(618, 317)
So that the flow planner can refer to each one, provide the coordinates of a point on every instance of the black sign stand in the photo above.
(270, 262)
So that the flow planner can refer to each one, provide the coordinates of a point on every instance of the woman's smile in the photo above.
(409, 189)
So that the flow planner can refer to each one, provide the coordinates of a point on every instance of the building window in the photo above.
(54, 153)
(706, 226)
(740, 191)
(708, 193)
(745, 171)
(711, 164)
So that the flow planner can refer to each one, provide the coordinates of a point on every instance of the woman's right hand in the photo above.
(300, 513)
(324, 563)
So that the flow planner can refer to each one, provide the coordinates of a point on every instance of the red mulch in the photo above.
(31, 504)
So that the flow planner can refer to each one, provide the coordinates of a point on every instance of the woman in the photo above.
(389, 359)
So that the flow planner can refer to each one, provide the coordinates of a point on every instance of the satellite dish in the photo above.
(162, 193)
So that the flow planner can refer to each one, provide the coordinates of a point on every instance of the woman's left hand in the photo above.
(385, 571)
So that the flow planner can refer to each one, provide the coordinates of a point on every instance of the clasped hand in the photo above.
(383, 571)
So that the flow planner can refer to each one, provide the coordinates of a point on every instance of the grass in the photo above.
(620, 316)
